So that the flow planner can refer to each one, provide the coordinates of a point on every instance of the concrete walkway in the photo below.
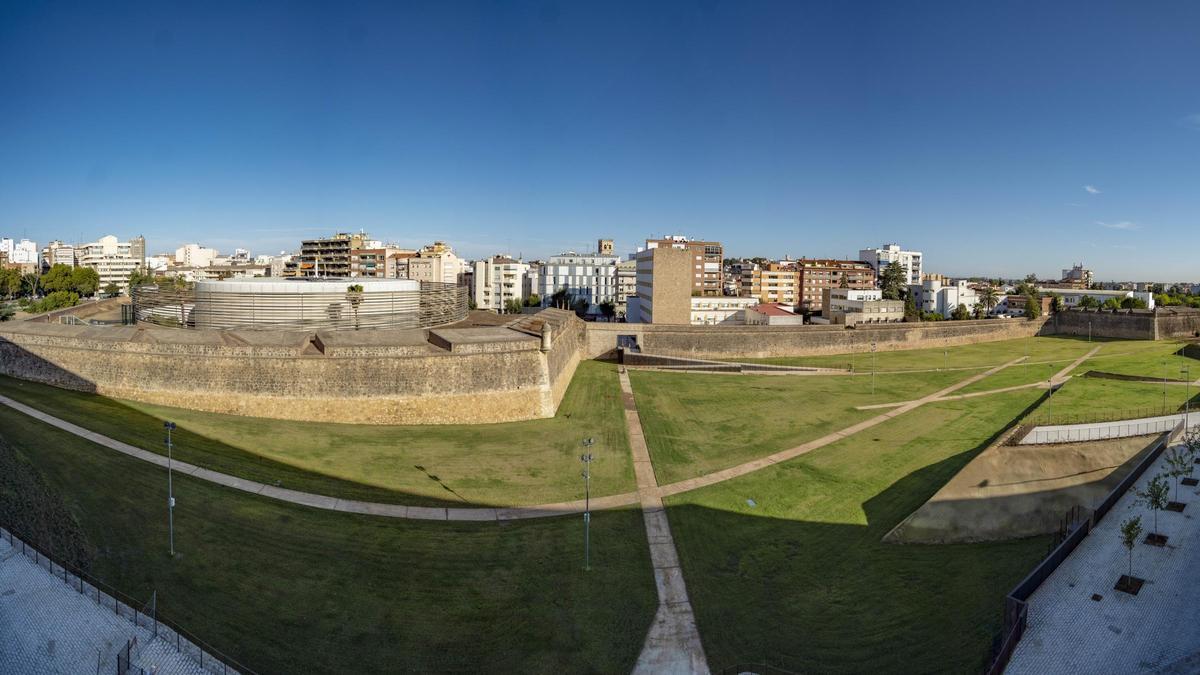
(673, 643)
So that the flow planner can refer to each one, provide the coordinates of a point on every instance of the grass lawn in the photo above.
(503, 464)
(288, 589)
(1151, 359)
(1089, 399)
(979, 355)
(803, 578)
(1022, 373)
(696, 424)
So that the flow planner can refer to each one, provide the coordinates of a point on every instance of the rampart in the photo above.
(440, 376)
(768, 341)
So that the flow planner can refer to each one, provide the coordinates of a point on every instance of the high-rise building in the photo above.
(191, 255)
(771, 283)
(21, 252)
(707, 261)
(436, 263)
(111, 259)
(879, 258)
(326, 256)
(137, 251)
(583, 276)
(666, 292)
(816, 275)
(497, 281)
(57, 253)
(626, 285)
(1077, 277)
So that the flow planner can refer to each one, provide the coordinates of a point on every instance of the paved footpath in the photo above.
(673, 643)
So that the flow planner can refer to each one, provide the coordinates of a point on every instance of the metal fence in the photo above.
(433, 304)
(1099, 431)
(208, 658)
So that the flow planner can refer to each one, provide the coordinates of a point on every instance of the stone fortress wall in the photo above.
(518, 371)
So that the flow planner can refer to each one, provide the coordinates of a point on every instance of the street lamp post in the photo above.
(1164, 387)
(872, 368)
(1089, 330)
(1050, 400)
(586, 458)
(170, 426)
(1187, 397)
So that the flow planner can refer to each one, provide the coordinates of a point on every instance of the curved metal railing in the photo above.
(434, 304)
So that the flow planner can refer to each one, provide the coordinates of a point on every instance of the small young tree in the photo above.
(960, 313)
(1179, 464)
(1155, 497)
(1131, 529)
(354, 295)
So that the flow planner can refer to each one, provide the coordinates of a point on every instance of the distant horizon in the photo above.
(997, 140)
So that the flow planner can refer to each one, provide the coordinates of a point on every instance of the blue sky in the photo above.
(967, 130)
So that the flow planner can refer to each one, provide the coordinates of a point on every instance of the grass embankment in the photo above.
(1147, 359)
(514, 463)
(1088, 399)
(803, 577)
(976, 355)
(289, 589)
(696, 424)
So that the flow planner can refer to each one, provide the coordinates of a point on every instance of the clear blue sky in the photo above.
(967, 130)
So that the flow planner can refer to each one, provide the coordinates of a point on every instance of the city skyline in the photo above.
(779, 130)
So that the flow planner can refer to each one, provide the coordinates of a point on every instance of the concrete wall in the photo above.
(768, 341)
(1177, 322)
(1124, 324)
(284, 376)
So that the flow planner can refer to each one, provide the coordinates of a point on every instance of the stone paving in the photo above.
(48, 627)
(1156, 630)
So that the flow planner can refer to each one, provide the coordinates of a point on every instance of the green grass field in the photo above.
(514, 463)
(289, 589)
(980, 355)
(803, 579)
(1088, 399)
(1149, 359)
(696, 424)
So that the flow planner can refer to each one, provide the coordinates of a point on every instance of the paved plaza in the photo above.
(48, 627)
(1156, 631)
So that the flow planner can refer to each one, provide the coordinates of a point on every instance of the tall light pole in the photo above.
(586, 458)
(1187, 397)
(170, 426)
(1089, 330)
(1164, 387)
(872, 368)
(1050, 400)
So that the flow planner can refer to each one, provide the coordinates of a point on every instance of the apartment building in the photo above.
(852, 306)
(436, 263)
(374, 263)
(588, 276)
(707, 261)
(57, 253)
(1077, 277)
(911, 261)
(626, 285)
(498, 280)
(192, 255)
(325, 256)
(771, 283)
(934, 296)
(113, 260)
(665, 283)
(21, 252)
(818, 274)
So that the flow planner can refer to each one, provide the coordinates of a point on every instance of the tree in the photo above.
(84, 281)
(581, 307)
(910, 310)
(31, 285)
(960, 313)
(1179, 464)
(6, 312)
(53, 301)
(10, 283)
(1155, 497)
(1112, 303)
(111, 290)
(989, 296)
(57, 278)
(561, 299)
(354, 295)
(1133, 303)
(1056, 303)
(608, 310)
(1088, 302)
(1031, 279)
(533, 300)
(1033, 306)
(140, 277)
(1131, 529)
(892, 281)
(979, 312)
(512, 306)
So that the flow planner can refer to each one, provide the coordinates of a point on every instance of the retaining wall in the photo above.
(1078, 433)
(1125, 324)
(769, 341)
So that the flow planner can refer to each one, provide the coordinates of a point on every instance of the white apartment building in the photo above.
(720, 310)
(852, 306)
(57, 253)
(110, 258)
(590, 276)
(436, 262)
(879, 258)
(195, 255)
(932, 295)
(24, 252)
(1071, 297)
(498, 280)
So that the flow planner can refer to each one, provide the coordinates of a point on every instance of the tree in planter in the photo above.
(1155, 497)
(1131, 529)
(1179, 464)
(354, 295)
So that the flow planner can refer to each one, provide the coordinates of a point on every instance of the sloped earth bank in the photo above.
(1013, 491)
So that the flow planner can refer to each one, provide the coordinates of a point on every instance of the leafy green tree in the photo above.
(960, 313)
(892, 281)
(533, 300)
(6, 312)
(989, 296)
(1155, 497)
(1179, 465)
(581, 307)
(85, 281)
(10, 283)
(57, 278)
(31, 285)
(140, 277)
(53, 301)
(1131, 529)
(608, 310)
(512, 306)
(1112, 303)
(562, 299)
(910, 310)
(1088, 302)
(111, 290)
(1056, 303)
(354, 296)
(1033, 306)
(1133, 303)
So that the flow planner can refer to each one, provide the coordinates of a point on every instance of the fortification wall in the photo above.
(1177, 322)
(1125, 324)
(284, 375)
(769, 341)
